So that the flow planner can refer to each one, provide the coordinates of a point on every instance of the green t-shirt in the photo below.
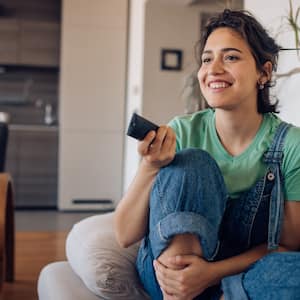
(242, 171)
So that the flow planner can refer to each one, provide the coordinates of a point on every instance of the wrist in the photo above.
(148, 168)
(216, 273)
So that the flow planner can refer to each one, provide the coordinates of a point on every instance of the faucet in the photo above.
(48, 117)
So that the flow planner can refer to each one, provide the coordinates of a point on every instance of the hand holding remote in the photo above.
(139, 127)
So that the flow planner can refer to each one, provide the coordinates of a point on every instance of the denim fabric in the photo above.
(273, 158)
(189, 196)
(274, 277)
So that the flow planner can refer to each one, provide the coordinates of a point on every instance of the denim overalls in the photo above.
(189, 196)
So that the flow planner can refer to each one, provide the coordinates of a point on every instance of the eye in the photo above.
(206, 60)
(231, 58)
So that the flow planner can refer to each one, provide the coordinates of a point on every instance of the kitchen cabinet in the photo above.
(9, 41)
(32, 162)
(24, 42)
(39, 43)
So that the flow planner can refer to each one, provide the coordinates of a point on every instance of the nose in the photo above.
(215, 67)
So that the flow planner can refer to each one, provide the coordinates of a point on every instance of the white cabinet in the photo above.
(35, 43)
(92, 103)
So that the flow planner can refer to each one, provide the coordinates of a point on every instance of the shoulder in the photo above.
(291, 146)
(291, 151)
(188, 128)
(291, 164)
(190, 120)
(292, 138)
(292, 143)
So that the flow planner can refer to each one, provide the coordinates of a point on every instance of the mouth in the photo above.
(215, 85)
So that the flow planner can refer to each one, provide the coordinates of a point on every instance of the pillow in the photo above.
(105, 268)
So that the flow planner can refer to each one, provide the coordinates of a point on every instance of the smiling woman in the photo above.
(218, 192)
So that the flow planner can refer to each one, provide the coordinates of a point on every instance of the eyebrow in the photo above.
(224, 50)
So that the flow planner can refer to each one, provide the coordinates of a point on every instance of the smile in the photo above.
(218, 84)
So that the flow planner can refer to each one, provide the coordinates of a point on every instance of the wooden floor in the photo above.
(33, 251)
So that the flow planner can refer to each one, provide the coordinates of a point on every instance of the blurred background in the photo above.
(72, 72)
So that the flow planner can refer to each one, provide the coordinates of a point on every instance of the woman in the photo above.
(216, 197)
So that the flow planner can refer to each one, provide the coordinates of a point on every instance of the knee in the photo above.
(193, 158)
(181, 244)
(190, 183)
(196, 167)
(192, 169)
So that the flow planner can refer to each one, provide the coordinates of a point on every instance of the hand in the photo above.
(158, 148)
(195, 275)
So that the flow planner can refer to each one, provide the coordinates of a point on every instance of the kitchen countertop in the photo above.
(32, 127)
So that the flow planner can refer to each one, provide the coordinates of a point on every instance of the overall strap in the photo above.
(274, 154)
(273, 157)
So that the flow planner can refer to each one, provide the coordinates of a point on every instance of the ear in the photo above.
(266, 73)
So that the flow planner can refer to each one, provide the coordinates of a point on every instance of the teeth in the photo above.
(218, 85)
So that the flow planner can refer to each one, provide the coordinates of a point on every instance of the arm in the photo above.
(290, 234)
(131, 216)
(197, 274)
(290, 241)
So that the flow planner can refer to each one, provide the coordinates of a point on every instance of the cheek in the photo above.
(250, 79)
(246, 75)
(201, 77)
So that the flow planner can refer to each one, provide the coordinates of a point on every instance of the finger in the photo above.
(178, 287)
(167, 291)
(169, 143)
(170, 287)
(159, 139)
(167, 278)
(167, 296)
(143, 146)
(166, 272)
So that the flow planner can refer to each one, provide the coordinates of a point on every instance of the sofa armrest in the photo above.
(106, 269)
(7, 235)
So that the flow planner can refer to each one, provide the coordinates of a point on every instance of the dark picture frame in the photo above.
(171, 59)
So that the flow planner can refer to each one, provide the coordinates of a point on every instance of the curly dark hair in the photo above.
(263, 47)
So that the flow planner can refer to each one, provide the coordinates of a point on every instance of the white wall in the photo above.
(271, 13)
(134, 97)
(171, 27)
(150, 91)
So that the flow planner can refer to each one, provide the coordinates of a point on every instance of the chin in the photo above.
(223, 106)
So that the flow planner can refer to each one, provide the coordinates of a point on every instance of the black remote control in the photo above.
(139, 127)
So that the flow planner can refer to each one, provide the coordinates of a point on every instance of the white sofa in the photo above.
(97, 268)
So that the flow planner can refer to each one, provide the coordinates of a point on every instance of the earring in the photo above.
(261, 86)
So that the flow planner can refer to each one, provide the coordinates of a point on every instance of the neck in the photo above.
(236, 131)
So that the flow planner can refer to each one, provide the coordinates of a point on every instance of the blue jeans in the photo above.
(189, 196)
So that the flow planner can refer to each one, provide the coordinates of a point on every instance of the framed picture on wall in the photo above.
(171, 59)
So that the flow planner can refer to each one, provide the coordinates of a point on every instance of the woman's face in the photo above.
(228, 75)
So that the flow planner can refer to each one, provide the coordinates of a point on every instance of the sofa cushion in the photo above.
(95, 256)
(57, 281)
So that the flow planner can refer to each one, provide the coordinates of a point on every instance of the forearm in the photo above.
(241, 262)
(131, 215)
